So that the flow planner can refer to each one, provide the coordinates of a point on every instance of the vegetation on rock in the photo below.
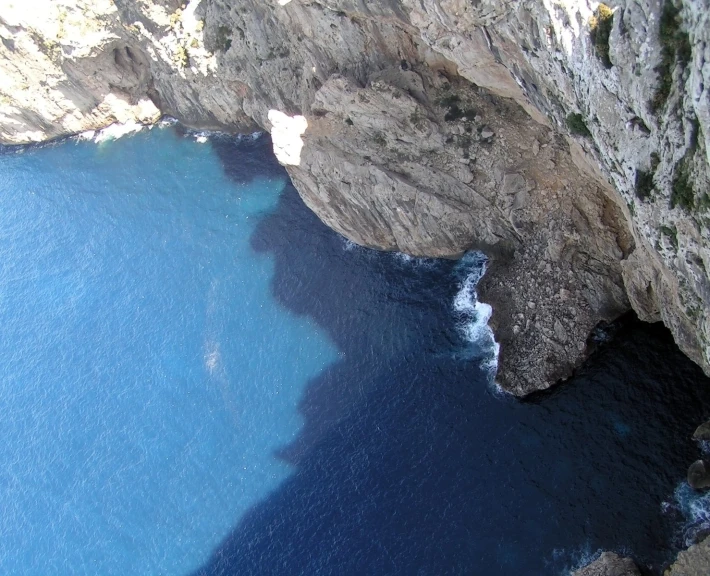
(576, 125)
(600, 26)
(682, 193)
(644, 184)
(223, 40)
(675, 47)
(182, 58)
(671, 234)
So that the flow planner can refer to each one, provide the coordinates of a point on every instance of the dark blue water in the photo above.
(199, 378)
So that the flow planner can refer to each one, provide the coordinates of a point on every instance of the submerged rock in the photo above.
(609, 564)
(699, 475)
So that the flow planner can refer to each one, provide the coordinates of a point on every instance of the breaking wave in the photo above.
(112, 132)
(575, 559)
(694, 507)
(474, 315)
(203, 136)
(118, 130)
(413, 260)
(348, 245)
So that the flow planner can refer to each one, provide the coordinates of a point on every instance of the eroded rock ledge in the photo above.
(568, 141)
(695, 561)
(609, 564)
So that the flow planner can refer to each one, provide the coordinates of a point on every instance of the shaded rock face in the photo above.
(432, 127)
(702, 432)
(695, 561)
(609, 564)
(699, 475)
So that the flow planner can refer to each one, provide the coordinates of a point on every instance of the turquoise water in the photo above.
(149, 376)
(198, 378)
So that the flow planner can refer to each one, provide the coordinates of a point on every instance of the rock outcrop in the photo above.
(702, 432)
(699, 475)
(609, 564)
(567, 140)
(695, 561)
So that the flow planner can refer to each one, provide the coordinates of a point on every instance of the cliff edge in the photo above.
(568, 140)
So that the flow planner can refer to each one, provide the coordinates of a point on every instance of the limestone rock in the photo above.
(430, 127)
(609, 564)
(695, 561)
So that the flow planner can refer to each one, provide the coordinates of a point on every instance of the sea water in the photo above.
(199, 378)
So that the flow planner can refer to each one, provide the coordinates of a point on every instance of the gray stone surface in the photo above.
(695, 561)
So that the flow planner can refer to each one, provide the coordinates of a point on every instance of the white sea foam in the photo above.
(413, 260)
(694, 507)
(88, 135)
(212, 356)
(580, 559)
(167, 121)
(348, 245)
(203, 136)
(475, 315)
(116, 131)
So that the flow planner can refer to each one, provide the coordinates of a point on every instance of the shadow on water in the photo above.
(407, 463)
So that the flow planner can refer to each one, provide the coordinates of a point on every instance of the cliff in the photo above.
(609, 564)
(568, 140)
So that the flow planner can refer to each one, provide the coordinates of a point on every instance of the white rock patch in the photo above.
(286, 132)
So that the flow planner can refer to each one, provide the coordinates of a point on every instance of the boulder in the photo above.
(702, 432)
(699, 475)
(609, 564)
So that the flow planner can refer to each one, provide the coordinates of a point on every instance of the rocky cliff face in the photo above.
(568, 140)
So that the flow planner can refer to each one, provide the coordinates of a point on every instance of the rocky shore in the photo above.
(569, 142)
(695, 561)
(609, 564)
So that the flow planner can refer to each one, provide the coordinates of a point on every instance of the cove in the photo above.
(199, 378)
(148, 375)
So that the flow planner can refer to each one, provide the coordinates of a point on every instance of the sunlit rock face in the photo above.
(286, 132)
(568, 141)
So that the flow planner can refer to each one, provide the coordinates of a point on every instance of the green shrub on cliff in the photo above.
(672, 235)
(182, 58)
(675, 47)
(644, 184)
(600, 26)
(682, 193)
(576, 125)
(223, 39)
